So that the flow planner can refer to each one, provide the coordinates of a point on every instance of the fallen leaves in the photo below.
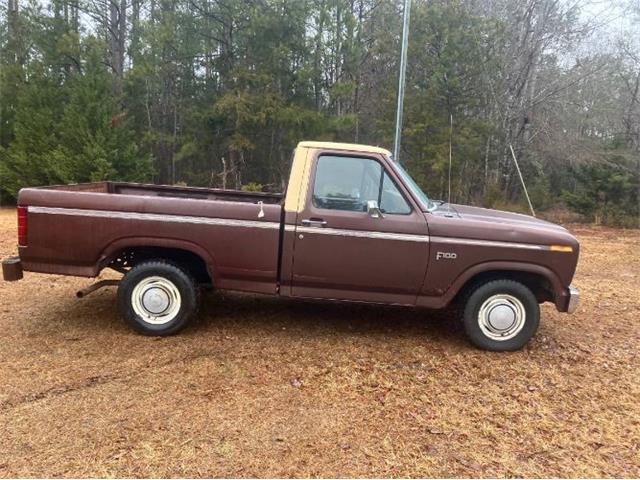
(262, 387)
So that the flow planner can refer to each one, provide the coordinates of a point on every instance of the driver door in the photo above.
(343, 252)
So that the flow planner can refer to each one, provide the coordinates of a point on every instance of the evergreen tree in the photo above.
(218, 93)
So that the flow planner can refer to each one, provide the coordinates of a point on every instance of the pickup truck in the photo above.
(352, 226)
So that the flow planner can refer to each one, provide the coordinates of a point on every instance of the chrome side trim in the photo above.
(574, 299)
(341, 232)
(229, 222)
(489, 243)
(413, 238)
(155, 217)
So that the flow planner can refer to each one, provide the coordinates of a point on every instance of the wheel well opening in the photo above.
(538, 284)
(127, 258)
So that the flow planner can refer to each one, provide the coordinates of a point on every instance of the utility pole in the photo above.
(401, 78)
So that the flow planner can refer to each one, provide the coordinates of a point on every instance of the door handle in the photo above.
(314, 222)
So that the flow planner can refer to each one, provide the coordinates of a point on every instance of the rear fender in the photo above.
(141, 242)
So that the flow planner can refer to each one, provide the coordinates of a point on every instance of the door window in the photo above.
(348, 183)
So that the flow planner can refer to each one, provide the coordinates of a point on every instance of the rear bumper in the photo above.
(574, 299)
(12, 269)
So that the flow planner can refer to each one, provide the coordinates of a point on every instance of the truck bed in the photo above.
(78, 229)
(173, 191)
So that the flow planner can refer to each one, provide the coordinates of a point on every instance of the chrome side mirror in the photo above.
(373, 209)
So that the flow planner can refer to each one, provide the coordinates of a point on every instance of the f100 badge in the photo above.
(446, 255)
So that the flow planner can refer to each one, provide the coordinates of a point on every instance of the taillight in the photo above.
(22, 226)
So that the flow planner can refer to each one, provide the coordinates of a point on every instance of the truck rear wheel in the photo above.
(501, 315)
(157, 298)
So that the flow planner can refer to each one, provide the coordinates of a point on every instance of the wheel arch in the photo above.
(542, 281)
(191, 255)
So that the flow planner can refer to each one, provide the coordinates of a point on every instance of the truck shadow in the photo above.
(311, 317)
(255, 315)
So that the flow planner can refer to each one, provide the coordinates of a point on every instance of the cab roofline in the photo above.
(353, 147)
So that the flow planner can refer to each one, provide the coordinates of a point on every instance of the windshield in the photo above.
(417, 192)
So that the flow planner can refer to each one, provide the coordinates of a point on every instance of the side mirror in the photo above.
(373, 209)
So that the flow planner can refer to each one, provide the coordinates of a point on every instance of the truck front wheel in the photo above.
(157, 298)
(501, 315)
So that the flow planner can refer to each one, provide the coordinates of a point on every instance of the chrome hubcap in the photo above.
(156, 300)
(501, 317)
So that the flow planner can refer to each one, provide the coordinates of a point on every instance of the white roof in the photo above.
(353, 147)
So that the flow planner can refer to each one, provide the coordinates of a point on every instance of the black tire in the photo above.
(174, 285)
(480, 332)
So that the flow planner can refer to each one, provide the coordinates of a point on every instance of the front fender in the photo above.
(559, 290)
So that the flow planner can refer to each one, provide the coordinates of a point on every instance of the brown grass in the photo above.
(270, 387)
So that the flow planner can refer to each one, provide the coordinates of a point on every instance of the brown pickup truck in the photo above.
(352, 226)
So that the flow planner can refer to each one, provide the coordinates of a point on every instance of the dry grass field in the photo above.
(270, 387)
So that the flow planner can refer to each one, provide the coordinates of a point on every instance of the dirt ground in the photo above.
(269, 387)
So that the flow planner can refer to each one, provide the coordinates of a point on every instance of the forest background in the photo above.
(218, 92)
